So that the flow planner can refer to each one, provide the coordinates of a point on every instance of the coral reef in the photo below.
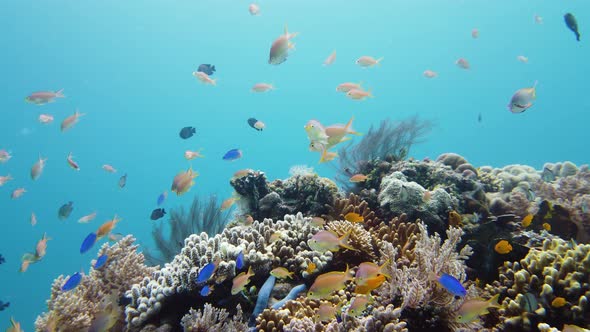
(213, 319)
(75, 310)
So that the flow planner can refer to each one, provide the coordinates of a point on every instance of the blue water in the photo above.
(128, 65)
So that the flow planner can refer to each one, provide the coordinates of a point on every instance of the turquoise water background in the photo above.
(127, 65)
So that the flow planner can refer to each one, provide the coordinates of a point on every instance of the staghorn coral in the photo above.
(558, 269)
(353, 203)
(213, 319)
(359, 239)
(401, 234)
(75, 310)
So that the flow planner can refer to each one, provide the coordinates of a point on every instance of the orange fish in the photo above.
(71, 120)
(4, 179)
(370, 284)
(345, 87)
(503, 247)
(358, 178)
(229, 203)
(72, 163)
(279, 50)
(547, 227)
(15, 326)
(368, 61)
(310, 267)
(242, 173)
(107, 227)
(327, 311)
(241, 280)
(24, 266)
(41, 248)
(183, 181)
(368, 270)
(327, 283)
(204, 78)
(358, 94)
(262, 87)
(37, 168)
(558, 302)
(455, 218)
(354, 217)
(109, 168)
(427, 196)
(527, 220)
(330, 59)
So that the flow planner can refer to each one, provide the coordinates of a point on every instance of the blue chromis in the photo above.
(206, 272)
(88, 242)
(100, 261)
(233, 154)
(162, 198)
(72, 282)
(206, 290)
(240, 260)
(451, 284)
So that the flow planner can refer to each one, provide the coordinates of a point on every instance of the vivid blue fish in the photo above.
(232, 154)
(72, 282)
(452, 285)
(206, 272)
(206, 290)
(88, 242)
(240, 260)
(100, 261)
(162, 198)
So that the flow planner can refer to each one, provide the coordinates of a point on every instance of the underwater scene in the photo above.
(309, 166)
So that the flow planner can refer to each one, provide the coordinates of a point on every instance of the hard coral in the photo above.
(353, 203)
(213, 319)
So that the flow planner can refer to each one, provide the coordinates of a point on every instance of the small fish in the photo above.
(368, 270)
(279, 50)
(274, 237)
(254, 9)
(427, 196)
(115, 237)
(530, 195)
(479, 117)
(24, 266)
(429, 74)
(190, 155)
(462, 63)
(370, 284)
(531, 303)
(109, 168)
(547, 227)
(451, 284)
(318, 221)
(206, 272)
(100, 261)
(471, 309)
(88, 242)
(241, 280)
(72, 282)
(33, 219)
(204, 78)
(45, 118)
(324, 241)
(345, 87)
(327, 155)
(65, 210)
(242, 173)
(475, 33)
(258, 125)
(87, 218)
(503, 247)
(354, 217)
(358, 304)
(17, 193)
(522, 59)
(5, 179)
(162, 198)
(206, 290)
(327, 311)
(183, 181)
(573, 328)
(558, 302)
(403, 193)
(262, 87)
(527, 220)
(4, 156)
(358, 94)
(14, 326)
(248, 220)
(330, 59)
(538, 19)
(327, 283)
(522, 99)
(368, 61)
(228, 203)
(123, 181)
(358, 178)
(311, 267)
(232, 155)
(41, 248)
(107, 227)
(72, 163)
(206, 68)
(71, 120)
(316, 132)
(187, 132)
(38, 168)
(572, 24)
(4, 305)
(44, 97)
(240, 260)
(281, 273)
(157, 214)
(547, 175)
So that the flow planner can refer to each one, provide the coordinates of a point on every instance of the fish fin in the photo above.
(323, 157)
(343, 242)
(494, 301)
(379, 61)
(59, 93)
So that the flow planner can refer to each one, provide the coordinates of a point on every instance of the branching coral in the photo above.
(213, 319)
(401, 234)
(203, 216)
(343, 206)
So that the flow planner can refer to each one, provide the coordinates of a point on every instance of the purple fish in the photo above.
(232, 154)
(44, 97)
(72, 282)
(88, 242)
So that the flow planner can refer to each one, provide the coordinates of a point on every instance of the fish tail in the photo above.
(59, 93)
(378, 62)
(494, 301)
(349, 129)
(343, 241)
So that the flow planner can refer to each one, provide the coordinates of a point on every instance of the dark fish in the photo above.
(72, 282)
(100, 261)
(4, 305)
(572, 24)
(530, 302)
(88, 242)
(187, 132)
(207, 69)
(252, 122)
(157, 214)
(65, 210)
(479, 118)
(2, 260)
(123, 181)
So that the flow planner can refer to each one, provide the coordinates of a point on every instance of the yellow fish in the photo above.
(359, 304)
(310, 268)
(327, 311)
(228, 203)
(370, 284)
(558, 302)
(527, 220)
(354, 217)
(327, 283)
(503, 247)
(281, 273)
(369, 270)
(471, 309)
(324, 241)
(547, 227)
(358, 178)
(455, 218)
(240, 281)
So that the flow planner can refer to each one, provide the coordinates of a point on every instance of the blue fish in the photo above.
(206, 273)
(162, 198)
(452, 285)
(240, 260)
(89, 241)
(72, 282)
(100, 261)
(206, 290)
(233, 154)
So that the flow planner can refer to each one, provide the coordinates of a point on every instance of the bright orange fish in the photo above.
(107, 227)
(354, 217)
